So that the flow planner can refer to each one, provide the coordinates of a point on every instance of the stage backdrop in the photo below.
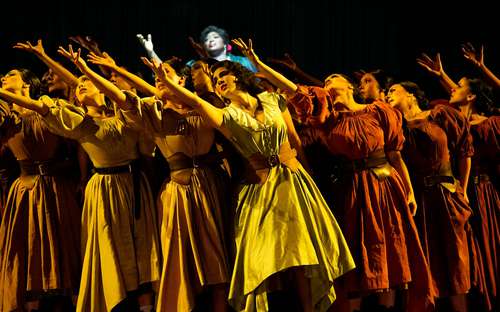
(322, 36)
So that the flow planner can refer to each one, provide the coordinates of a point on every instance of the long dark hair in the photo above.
(418, 93)
(30, 78)
(246, 78)
(484, 97)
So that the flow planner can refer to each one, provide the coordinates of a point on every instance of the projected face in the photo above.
(213, 42)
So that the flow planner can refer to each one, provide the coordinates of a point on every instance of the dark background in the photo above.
(322, 36)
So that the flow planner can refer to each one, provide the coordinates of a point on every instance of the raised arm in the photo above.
(210, 113)
(107, 61)
(435, 67)
(274, 77)
(148, 46)
(477, 59)
(198, 48)
(39, 52)
(109, 89)
(289, 63)
(24, 101)
(92, 46)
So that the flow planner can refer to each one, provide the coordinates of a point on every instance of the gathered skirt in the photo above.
(39, 240)
(281, 224)
(120, 251)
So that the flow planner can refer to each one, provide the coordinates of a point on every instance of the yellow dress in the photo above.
(120, 251)
(283, 222)
(190, 204)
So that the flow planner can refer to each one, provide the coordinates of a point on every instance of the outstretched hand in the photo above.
(201, 77)
(286, 61)
(104, 60)
(87, 43)
(433, 66)
(472, 55)
(161, 70)
(28, 47)
(246, 49)
(198, 48)
(146, 43)
(73, 56)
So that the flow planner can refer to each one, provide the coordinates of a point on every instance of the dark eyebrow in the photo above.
(222, 74)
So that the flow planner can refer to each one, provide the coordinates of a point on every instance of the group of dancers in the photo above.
(348, 194)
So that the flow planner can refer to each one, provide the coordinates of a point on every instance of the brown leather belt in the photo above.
(44, 168)
(181, 161)
(444, 175)
(437, 179)
(481, 178)
(134, 169)
(259, 161)
(374, 159)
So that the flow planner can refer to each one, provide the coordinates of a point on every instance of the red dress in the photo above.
(485, 201)
(40, 228)
(372, 210)
(443, 213)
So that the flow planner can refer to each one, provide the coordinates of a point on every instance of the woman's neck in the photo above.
(349, 103)
(16, 107)
(413, 112)
(245, 101)
(220, 56)
(468, 110)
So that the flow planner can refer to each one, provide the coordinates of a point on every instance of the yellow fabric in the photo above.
(120, 252)
(40, 222)
(282, 223)
(189, 204)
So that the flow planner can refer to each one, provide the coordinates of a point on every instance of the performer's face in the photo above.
(338, 87)
(53, 81)
(171, 73)
(225, 81)
(396, 95)
(86, 90)
(461, 94)
(13, 81)
(369, 87)
(213, 42)
(119, 81)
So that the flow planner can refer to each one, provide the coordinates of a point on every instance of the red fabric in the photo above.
(372, 212)
(311, 104)
(442, 217)
(486, 204)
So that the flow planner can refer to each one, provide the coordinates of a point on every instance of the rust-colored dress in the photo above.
(189, 204)
(120, 247)
(372, 210)
(432, 143)
(40, 228)
(485, 201)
